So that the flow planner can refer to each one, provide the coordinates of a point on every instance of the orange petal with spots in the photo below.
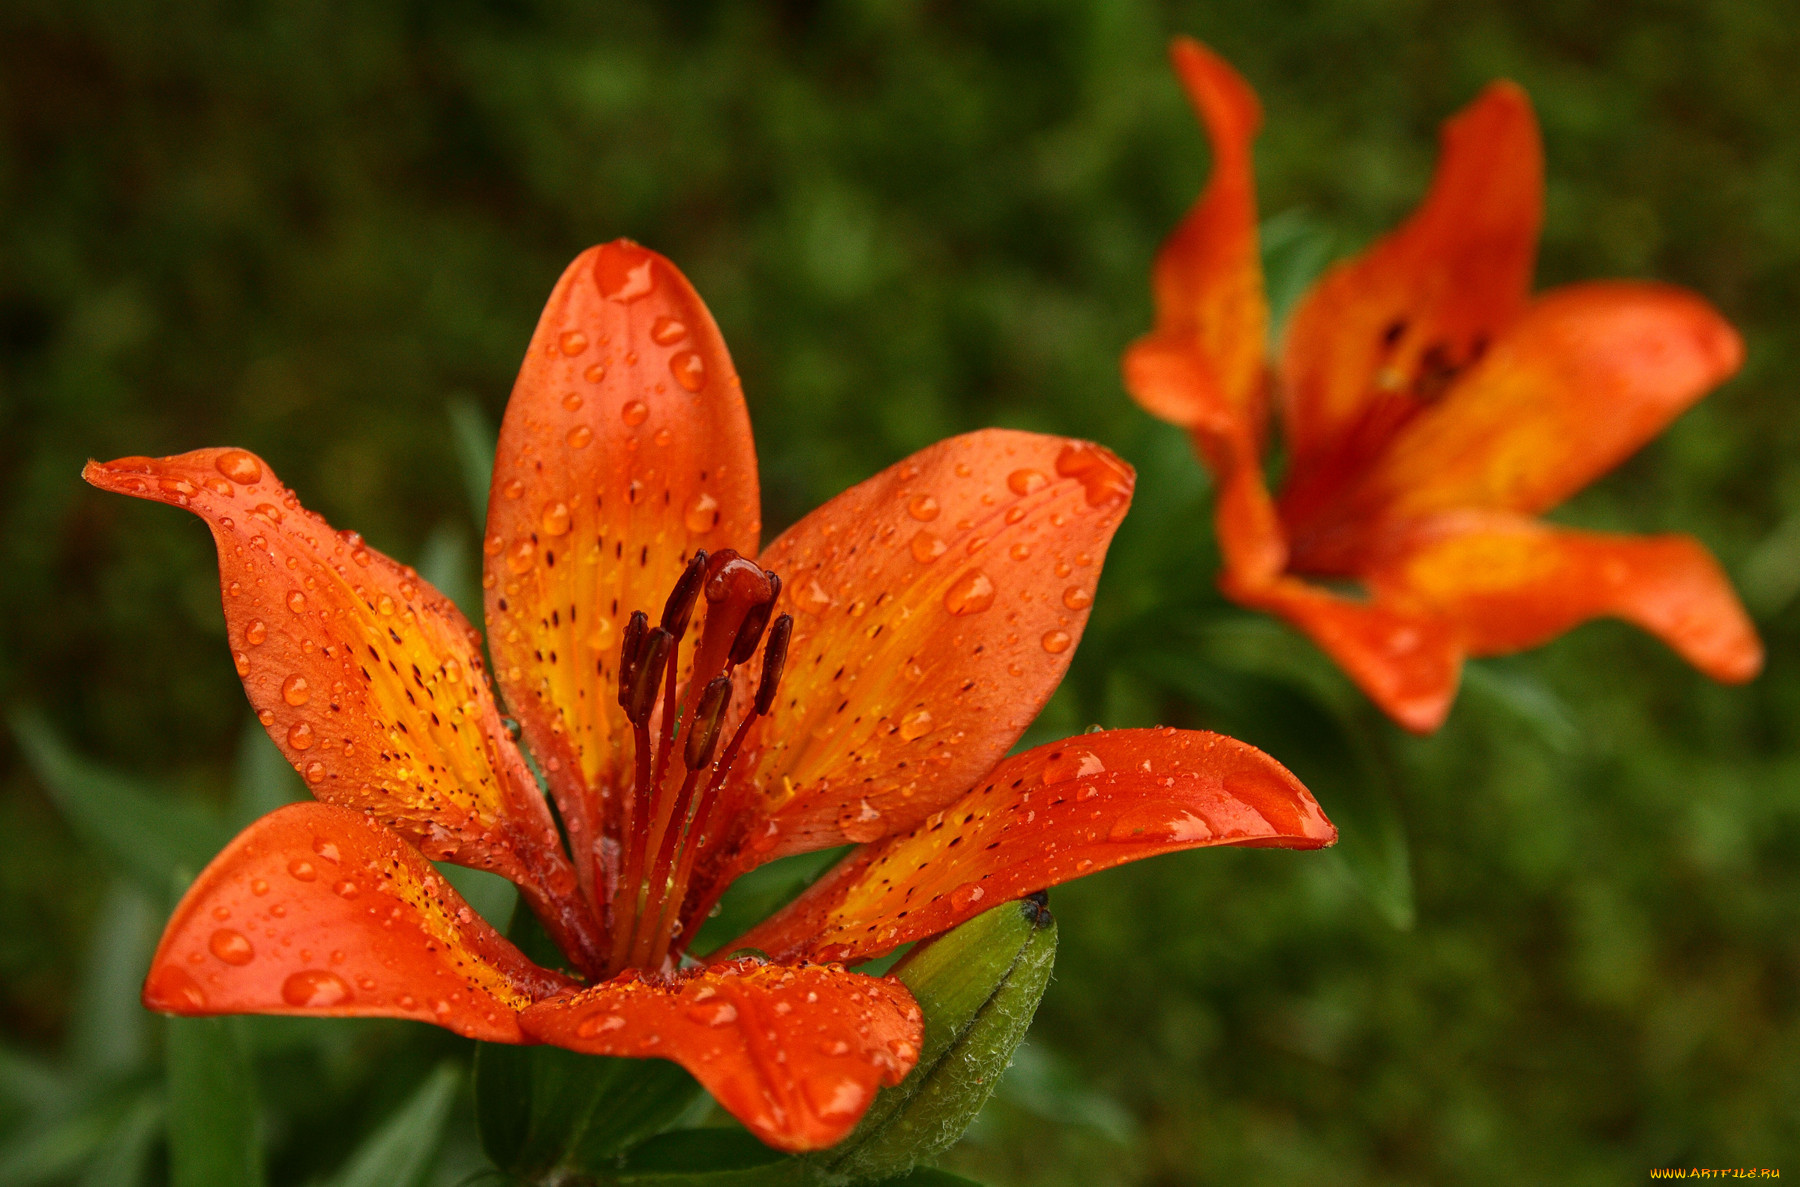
(936, 607)
(626, 446)
(369, 680)
(794, 1052)
(1208, 275)
(1382, 335)
(1041, 818)
(1584, 379)
(1406, 657)
(1513, 583)
(316, 909)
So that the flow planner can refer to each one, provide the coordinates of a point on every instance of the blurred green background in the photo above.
(1561, 941)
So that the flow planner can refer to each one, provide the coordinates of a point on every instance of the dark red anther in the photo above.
(774, 658)
(680, 606)
(646, 680)
(709, 715)
(630, 653)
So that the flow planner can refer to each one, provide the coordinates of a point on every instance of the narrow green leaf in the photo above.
(212, 1108)
(45, 1153)
(1534, 703)
(709, 1158)
(399, 1153)
(264, 779)
(27, 1081)
(108, 1028)
(446, 562)
(154, 837)
(926, 1176)
(122, 1161)
(475, 445)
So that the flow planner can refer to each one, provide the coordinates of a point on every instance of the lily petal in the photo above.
(625, 448)
(1588, 375)
(1407, 658)
(369, 680)
(1381, 335)
(1041, 818)
(1512, 583)
(316, 909)
(794, 1052)
(936, 607)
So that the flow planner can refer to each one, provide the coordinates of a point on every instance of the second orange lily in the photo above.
(936, 607)
(1431, 408)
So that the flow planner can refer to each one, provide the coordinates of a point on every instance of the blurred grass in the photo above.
(313, 229)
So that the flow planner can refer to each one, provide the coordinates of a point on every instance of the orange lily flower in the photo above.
(935, 609)
(1431, 407)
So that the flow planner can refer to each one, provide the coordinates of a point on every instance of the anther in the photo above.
(774, 658)
(646, 680)
(680, 607)
(631, 646)
(709, 715)
(755, 620)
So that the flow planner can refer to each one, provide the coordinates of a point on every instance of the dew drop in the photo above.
(622, 272)
(663, 437)
(702, 514)
(927, 547)
(172, 986)
(1064, 765)
(314, 989)
(861, 822)
(240, 466)
(231, 947)
(834, 1047)
(295, 690)
(266, 716)
(579, 437)
(219, 486)
(346, 889)
(667, 331)
(966, 896)
(572, 342)
(519, 559)
(1077, 598)
(915, 725)
(1105, 479)
(572, 401)
(256, 632)
(923, 507)
(1056, 642)
(1020, 552)
(635, 412)
(598, 1024)
(301, 736)
(555, 518)
(1025, 482)
(302, 870)
(296, 602)
(689, 370)
(1159, 822)
(595, 373)
(714, 1013)
(259, 887)
(315, 772)
(241, 662)
(972, 593)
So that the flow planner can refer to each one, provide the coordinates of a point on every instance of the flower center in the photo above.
(672, 814)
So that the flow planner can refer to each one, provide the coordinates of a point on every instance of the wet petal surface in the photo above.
(316, 909)
(794, 1052)
(1043, 817)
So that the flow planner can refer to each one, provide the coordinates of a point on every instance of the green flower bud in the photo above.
(979, 987)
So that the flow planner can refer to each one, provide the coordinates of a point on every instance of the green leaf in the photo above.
(399, 1153)
(1518, 690)
(212, 1107)
(445, 562)
(121, 1163)
(108, 1028)
(45, 1153)
(710, 1158)
(926, 1176)
(979, 987)
(264, 779)
(475, 446)
(157, 838)
(761, 892)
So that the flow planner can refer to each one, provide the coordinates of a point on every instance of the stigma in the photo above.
(672, 813)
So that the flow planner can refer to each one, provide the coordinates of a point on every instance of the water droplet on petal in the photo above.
(972, 593)
(915, 724)
(301, 736)
(579, 437)
(923, 507)
(1056, 642)
(240, 466)
(231, 947)
(966, 896)
(714, 1013)
(1077, 598)
(689, 370)
(555, 518)
(596, 1024)
(1020, 552)
(315, 772)
(1064, 765)
(1105, 479)
(521, 556)
(1155, 822)
(314, 989)
(1025, 482)
(831, 1101)
(303, 870)
(256, 632)
(346, 889)
(623, 272)
(595, 373)
(266, 716)
(702, 514)
(572, 342)
(295, 690)
(861, 822)
(572, 401)
(296, 602)
(834, 1047)
(635, 412)
(241, 662)
(927, 547)
(667, 331)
